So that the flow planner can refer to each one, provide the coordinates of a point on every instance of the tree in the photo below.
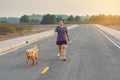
(102, 17)
(24, 19)
(93, 18)
(71, 18)
(77, 18)
(58, 18)
(48, 19)
(34, 21)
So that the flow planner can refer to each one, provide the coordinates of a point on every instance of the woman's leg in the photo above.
(64, 47)
(60, 51)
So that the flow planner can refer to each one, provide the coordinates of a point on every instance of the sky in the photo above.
(17, 8)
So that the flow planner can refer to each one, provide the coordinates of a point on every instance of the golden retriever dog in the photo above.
(32, 55)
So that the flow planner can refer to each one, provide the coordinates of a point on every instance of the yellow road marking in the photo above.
(45, 70)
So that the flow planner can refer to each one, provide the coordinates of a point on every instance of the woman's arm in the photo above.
(53, 34)
(67, 34)
(68, 37)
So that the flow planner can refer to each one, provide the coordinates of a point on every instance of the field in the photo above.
(9, 31)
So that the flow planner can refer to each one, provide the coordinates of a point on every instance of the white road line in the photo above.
(109, 38)
(117, 42)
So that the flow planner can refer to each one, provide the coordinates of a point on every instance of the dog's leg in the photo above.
(33, 62)
(36, 60)
(36, 56)
(27, 63)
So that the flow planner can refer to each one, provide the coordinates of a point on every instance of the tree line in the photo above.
(94, 19)
(104, 19)
(49, 19)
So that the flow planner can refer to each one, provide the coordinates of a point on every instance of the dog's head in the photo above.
(29, 53)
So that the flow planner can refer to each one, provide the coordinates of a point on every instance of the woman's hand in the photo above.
(53, 34)
(70, 41)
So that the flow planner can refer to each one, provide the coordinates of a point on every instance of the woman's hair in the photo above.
(62, 20)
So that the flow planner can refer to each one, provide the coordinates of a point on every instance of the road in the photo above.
(91, 56)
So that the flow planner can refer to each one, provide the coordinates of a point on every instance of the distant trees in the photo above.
(70, 18)
(100, 17)
(24, 19)
(77, 18)
(53, 19)
(58, 18)
(48, 19)
(9, 19)
(104, 19)
(34, 21)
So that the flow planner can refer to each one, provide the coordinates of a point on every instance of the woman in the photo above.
(62, 36)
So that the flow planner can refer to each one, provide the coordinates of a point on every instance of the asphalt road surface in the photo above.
(91, 56)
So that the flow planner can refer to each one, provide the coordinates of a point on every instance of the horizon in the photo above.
(58, 14)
